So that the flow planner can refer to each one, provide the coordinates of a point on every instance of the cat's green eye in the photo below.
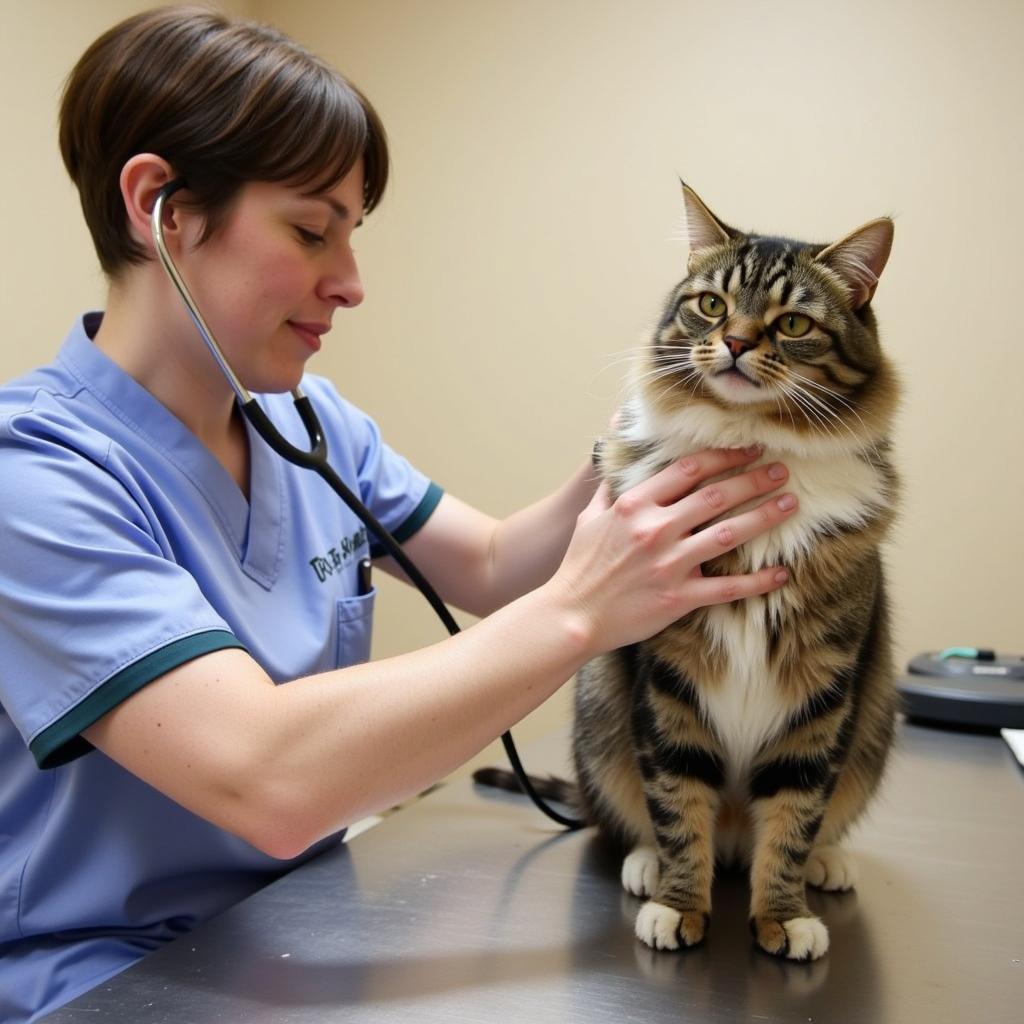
(794, 325)
(711, 305)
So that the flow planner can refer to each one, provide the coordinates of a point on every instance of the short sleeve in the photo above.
(92, 605)
(400, 496)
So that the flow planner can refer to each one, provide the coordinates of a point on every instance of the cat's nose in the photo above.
(737, 346)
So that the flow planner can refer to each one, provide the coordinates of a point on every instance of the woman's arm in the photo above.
(282, 766)
(479, 563)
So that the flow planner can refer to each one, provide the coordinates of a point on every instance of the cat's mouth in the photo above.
(735, 386)
(735, 377)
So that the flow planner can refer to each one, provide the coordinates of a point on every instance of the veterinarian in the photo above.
(164, 570)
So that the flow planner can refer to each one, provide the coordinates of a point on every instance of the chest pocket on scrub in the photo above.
(355, 626)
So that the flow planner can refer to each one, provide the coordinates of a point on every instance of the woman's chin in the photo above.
(276, 383)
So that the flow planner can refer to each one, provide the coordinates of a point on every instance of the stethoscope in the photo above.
(315, 458)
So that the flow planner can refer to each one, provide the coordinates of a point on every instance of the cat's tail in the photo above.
(552, 788)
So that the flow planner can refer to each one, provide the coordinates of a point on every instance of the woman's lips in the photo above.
(309, 333)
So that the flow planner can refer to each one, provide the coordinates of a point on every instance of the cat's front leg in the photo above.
(683, 774)
(789, 801)
(683, 811)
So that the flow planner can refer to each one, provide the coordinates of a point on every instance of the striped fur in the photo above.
(756, 732)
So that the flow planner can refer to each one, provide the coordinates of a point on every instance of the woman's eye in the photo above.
(794, 325)
(310, 237)
(711, 305)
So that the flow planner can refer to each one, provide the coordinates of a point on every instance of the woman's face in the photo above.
(269, 280)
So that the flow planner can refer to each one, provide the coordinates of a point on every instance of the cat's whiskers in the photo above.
(636, 355)
(788, 411)
(821, 411)
(824, 408)
(690, 376)
(693, 379)
(666, 392)
(625, 357)
(861, 443)
(696, 374)
(655, 384)
(835, 396)
(814, 419)
(815, 422)
(809, 403)
(664, 364)
(669, 369)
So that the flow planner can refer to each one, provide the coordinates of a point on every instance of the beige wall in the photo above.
(528, 236)
(48, 270)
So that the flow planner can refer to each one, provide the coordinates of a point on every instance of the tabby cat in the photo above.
(756, 732)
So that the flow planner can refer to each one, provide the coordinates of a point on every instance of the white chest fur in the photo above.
(835, 487)
(833, 484)
(745, 708)
(834, 490)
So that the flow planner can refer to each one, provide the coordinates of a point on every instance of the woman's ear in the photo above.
(142, 178)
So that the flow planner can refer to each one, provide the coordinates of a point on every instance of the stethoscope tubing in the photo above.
(315, 458)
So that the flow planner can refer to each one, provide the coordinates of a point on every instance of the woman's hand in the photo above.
(633, 565)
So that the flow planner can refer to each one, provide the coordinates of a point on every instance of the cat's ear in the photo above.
(702, 226)
(860, 258)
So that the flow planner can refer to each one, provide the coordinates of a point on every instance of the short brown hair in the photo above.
(224, 102)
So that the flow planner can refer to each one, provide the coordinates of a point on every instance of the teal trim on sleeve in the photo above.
(418, 517)
(61, 742)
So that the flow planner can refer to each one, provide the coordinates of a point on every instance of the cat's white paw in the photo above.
(640, 871)
(661, 927)
(808, 938)
(658, 926)
(831, 868)
(799, 938)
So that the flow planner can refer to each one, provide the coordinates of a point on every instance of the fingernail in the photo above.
(776, 470)
(754, 449)
(781, 576)
(786, 502)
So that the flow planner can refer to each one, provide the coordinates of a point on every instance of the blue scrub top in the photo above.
(128, 550)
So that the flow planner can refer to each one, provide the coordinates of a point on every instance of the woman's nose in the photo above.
(345, 287)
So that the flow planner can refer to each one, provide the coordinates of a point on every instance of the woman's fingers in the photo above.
(714, 500)
(704, 591)
(731, 533)
(677, 480)
(634, 564)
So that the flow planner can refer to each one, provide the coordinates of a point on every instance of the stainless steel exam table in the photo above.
(469, 906)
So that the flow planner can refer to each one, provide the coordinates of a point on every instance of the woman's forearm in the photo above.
(527, 546)
(351, 742)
